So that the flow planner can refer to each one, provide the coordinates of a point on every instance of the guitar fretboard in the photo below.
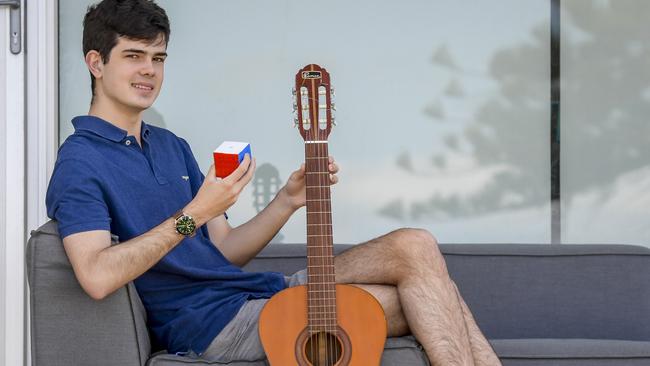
(320, 259)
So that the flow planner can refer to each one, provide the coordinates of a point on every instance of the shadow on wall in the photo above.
(608, 84)
(266, 185)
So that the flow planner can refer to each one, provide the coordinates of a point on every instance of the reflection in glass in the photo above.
(605, 129)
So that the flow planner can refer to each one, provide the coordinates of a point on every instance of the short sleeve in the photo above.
(75, 199)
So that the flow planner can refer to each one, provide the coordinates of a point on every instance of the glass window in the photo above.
(605, 130)
(442, 107)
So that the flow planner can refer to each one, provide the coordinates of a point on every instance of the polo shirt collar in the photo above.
(103, 128)
(145, 130)
(99, 127)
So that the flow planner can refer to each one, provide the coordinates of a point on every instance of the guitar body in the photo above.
(360, 319)
(320, 323)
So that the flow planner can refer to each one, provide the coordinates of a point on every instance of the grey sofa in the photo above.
(537, 304)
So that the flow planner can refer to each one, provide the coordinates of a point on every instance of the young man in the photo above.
(118, 175)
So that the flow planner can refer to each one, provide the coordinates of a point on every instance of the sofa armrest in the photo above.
(70, 328)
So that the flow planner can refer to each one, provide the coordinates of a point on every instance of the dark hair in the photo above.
(108, 20)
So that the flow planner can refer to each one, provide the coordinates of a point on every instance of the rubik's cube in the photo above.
(228, 156)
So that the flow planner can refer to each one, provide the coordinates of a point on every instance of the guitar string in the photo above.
(330, 283)
(315, 126)
(314, 339)
(327, 238)
(325, 262)
(330, 268)
(310, 263)
(321, 285)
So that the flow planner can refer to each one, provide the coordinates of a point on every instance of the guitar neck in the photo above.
(319, 208)
(320, 257)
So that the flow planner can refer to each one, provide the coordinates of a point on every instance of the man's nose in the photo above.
(147, 68)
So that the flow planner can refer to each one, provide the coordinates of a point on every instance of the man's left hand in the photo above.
(295, 187)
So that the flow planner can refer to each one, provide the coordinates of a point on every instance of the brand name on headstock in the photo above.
(311, 75)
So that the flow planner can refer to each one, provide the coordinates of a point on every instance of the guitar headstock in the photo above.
(312, 103)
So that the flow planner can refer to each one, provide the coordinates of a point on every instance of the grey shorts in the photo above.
(239, 340)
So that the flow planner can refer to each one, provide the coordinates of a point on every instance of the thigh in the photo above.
(390, 258)
(240, 340)
(389, 299)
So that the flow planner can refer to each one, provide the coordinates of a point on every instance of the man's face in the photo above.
(134, 73)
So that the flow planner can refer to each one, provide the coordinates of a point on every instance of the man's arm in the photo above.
(241, 244)
(101, 268)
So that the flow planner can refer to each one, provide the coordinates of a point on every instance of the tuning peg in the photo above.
(295, 122)
(293, 91)
(332, 91)
(333, 106)
(295, 107)
(333, 122)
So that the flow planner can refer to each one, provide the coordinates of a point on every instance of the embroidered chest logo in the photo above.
(185, 177)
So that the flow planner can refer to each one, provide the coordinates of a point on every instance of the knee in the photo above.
(419, 248)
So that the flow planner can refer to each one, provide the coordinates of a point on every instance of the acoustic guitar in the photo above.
(321, 323)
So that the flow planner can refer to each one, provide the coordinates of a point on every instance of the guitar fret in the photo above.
(332, 290)
(319, 224)
(319, 212)
(316, 157)
(317, 173)
(318, 186)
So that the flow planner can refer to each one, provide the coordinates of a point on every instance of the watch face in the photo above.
(185, 225)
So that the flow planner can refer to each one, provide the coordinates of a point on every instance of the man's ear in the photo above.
(95, 63)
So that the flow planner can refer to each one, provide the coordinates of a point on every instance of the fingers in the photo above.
(211, 174)
(243, 181)
(238, 173)
(300, 173)
(332, 167)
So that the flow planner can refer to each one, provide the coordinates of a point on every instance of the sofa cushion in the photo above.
(402, 351)
(565, 352)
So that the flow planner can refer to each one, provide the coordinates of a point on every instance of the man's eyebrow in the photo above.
(136, 50)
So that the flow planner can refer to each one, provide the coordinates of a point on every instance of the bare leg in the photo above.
(422, 298)
(481, 349)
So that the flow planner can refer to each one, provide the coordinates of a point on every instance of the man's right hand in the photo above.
(216, 195)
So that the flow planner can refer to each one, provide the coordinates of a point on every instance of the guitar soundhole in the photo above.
(323, 349)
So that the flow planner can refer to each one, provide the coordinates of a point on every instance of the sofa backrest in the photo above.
(535, 290)
(70, 328)
(555, 291)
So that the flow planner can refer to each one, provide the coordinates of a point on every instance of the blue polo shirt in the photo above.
(104, 180)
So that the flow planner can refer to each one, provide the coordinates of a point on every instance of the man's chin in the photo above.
(140, 106)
